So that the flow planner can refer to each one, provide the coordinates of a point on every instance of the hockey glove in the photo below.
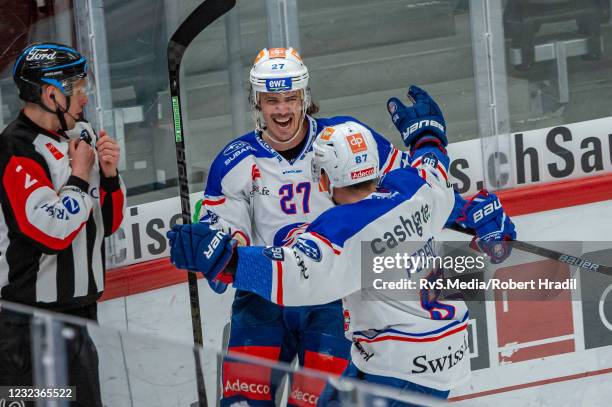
(421, 122)
(215, 285)
(197, 247)
(494, 229)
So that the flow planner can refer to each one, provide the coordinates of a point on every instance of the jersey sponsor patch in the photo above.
(274, 253)
(54, 151)
(236, 146)
(55, 212)
(255, 173)
(71, 205)
(236, 149)
(362, 173)
(309, 248)
(278, 84)
(356, 142)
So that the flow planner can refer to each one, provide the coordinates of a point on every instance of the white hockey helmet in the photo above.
(347, 153)
(277, 70)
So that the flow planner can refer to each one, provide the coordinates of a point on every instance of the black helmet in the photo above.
(47, 64)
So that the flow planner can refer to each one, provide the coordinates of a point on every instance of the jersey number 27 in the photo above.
(288, 194)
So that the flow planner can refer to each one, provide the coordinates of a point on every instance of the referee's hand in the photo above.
(82, 157)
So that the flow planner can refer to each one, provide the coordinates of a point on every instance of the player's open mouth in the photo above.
(283, 122)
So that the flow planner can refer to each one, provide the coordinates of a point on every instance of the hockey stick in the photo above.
(548, 253)
(207, 12)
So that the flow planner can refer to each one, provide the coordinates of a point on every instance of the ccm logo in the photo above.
(363, 173)
(487, 210)
(213, 244)
(422, 123)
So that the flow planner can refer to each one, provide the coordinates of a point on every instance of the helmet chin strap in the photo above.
(59, 112)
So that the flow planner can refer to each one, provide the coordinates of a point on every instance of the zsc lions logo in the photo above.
(287, 235)
(309, 248)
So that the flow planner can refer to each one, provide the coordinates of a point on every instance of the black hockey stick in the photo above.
(198, 20)
(548, 253)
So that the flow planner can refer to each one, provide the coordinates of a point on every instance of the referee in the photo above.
(61, 194)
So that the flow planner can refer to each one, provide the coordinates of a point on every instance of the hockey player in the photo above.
(418, 344)
(61, 195)
(260, 191)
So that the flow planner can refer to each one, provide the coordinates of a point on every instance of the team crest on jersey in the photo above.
(287, 235)
(274, 253)
(309, 248)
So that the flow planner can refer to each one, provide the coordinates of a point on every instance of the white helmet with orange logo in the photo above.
(278, 70)
(347, 153)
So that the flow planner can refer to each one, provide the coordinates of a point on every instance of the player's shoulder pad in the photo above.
(230, 156)
(405, 181)
(342, 222)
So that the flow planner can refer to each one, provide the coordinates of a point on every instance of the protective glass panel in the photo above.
(51, 359)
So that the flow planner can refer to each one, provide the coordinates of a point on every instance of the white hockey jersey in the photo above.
(417, 338)
(260, 198)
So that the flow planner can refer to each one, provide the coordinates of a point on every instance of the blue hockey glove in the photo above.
(422, 120)
(197, 247)
(494, 229)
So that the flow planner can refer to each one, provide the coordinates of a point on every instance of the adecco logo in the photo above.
(362, 173)
(243, 387)
(304, 397)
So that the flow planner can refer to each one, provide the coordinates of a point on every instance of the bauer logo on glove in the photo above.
(494, 229)
(210, 250)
